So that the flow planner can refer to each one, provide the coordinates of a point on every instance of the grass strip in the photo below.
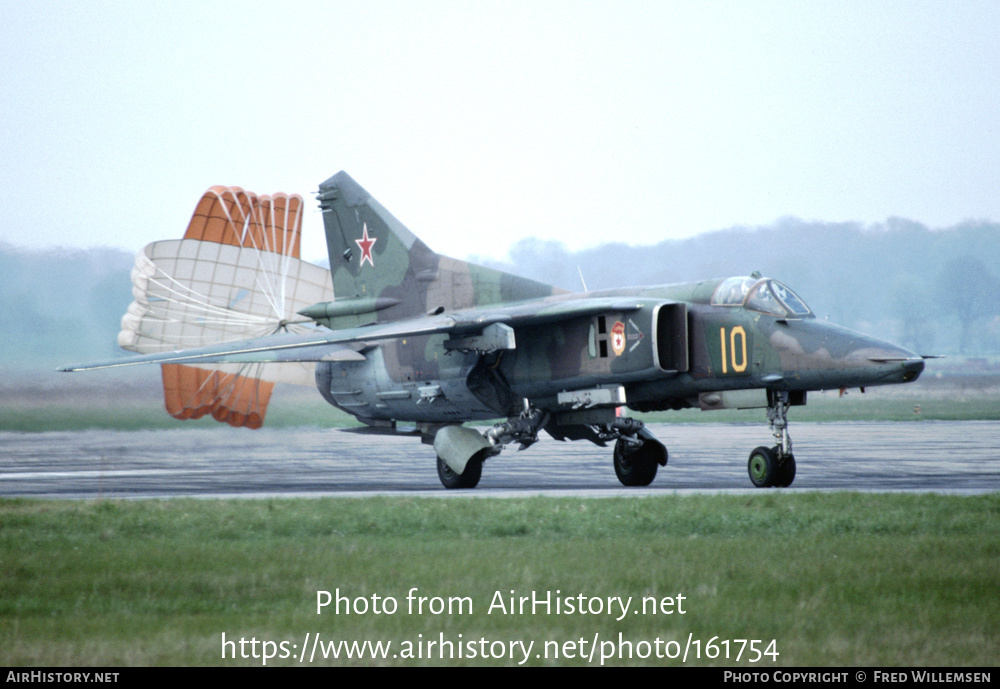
(833, 579)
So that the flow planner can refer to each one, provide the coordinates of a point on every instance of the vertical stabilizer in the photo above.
(373, 255)
(370, 250)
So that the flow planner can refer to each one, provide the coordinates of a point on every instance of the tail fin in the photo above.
(373, 255)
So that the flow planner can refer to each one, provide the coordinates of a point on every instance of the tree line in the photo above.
(934, 291)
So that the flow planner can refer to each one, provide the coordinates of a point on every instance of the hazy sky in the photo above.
(479, 123)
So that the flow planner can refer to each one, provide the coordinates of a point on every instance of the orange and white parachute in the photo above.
(235, 275)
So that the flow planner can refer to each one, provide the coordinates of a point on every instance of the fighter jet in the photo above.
(407, 340)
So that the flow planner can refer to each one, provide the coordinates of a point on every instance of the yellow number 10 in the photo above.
(729, 355)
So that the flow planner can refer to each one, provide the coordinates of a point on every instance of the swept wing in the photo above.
(343, 344)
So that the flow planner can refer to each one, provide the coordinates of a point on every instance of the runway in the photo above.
(939, 456)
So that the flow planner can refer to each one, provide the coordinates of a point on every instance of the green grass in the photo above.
(834, 579)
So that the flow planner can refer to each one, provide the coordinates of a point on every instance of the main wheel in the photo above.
(763, 467)
(467, 479)
(636, 468)
(786, 473)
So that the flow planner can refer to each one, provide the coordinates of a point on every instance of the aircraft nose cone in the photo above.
(900, 365)
(912, 368)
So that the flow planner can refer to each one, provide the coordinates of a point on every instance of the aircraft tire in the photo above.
(786, 471)
(637, 468)
(763, 467)
(467, 479)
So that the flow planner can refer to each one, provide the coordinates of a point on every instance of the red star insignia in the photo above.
(365, 244)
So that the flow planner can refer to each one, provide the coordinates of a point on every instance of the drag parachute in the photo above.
(235, 275)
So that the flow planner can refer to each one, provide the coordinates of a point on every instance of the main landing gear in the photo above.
(774, 466)
(461, 450)
(467, 479)
(638, 454)
(633, 466)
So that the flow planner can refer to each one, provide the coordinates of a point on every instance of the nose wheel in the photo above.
(767, 470)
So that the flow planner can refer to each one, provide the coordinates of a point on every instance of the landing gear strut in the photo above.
(774, 466)
(524, 429)
(461, 450)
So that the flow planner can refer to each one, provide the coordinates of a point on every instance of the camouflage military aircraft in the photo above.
(397, 333)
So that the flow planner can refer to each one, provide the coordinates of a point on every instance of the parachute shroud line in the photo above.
(235, 275)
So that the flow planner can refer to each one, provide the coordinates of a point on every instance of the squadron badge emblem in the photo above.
(618, 338)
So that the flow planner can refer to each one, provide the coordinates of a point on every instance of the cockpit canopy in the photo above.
(760, 294)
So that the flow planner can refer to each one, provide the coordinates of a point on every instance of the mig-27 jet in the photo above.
(395, 333)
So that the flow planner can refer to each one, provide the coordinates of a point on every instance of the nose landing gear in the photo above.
(774, 466)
